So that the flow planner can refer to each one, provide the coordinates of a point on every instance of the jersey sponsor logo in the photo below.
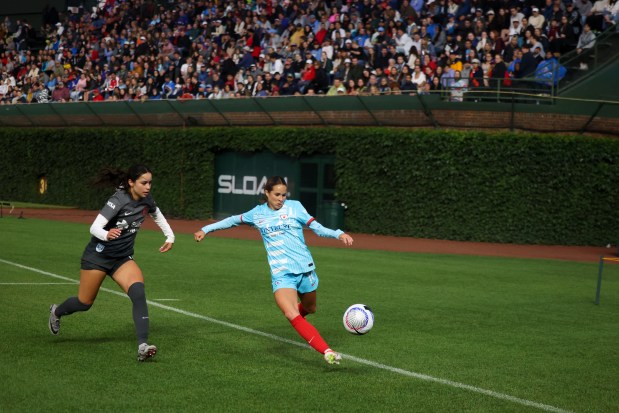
(243, 185)
(274, 229)
(284, 216)
(111, 205)
(100, 247)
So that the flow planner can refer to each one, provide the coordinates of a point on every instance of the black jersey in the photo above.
(126, 214)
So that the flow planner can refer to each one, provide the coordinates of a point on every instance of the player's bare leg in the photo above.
(90, 282)
(307, 304)
(286, 299)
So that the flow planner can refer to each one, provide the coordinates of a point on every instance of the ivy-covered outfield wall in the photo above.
(519, 188)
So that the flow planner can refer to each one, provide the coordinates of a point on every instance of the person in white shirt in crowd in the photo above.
(537, 20)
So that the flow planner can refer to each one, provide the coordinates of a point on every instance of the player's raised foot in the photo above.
(54, 321)
(332, 357)
(146, 351)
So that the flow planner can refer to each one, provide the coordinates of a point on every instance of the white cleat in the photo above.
(54, 321)
(332, 357)
(146, 351)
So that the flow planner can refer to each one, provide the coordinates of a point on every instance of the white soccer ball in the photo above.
(358, 319)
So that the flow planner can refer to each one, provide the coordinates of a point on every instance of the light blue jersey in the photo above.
(282, 233)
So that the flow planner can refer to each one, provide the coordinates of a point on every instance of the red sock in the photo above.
(309, 333)
(302, 311)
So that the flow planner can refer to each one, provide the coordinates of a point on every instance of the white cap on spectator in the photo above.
(341, 89)
(490, 11)
(348, 41)
(309, 61)
(535, 9)
(346, 60)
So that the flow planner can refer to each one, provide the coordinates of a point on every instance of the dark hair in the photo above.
(118, 178)
(268, 186)
(272, 181)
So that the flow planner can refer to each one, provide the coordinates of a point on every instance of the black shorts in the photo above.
(92, 260)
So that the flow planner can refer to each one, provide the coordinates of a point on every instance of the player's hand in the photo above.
(166, 247)
(346, 239)
(113, 234)
(199, 236)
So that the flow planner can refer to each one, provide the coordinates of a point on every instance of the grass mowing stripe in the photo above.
(420, 376)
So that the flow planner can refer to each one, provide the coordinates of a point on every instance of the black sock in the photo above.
(140, 311)
(70, 306)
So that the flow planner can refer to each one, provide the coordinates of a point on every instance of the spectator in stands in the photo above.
(586, 40)
(528, 64)
(61, 93)
(597, 16)
(458, 87)
(537, 20)
(476, 76)
(307, 76)
(499, 72)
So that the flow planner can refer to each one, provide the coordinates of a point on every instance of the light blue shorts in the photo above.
(303, 283)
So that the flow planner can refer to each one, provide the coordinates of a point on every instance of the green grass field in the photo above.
(451, 334)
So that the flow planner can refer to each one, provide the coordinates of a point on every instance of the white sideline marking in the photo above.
(420, 376)
(36, 283)
(166, 299)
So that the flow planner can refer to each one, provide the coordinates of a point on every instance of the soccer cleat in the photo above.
(332, 357)
(54, 321)
(146, 351)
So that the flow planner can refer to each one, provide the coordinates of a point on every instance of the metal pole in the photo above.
(599, 287)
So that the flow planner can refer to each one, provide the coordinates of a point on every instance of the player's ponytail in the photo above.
(117, 178)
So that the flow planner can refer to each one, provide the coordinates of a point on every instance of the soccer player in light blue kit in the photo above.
(280, 222)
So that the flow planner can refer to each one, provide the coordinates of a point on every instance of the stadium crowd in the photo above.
(183, 49)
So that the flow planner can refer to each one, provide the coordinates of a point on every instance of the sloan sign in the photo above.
(241, 185)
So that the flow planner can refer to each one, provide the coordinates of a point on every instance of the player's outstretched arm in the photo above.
(346, 239)
(229, 222)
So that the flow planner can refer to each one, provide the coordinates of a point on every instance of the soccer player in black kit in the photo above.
(110, 250)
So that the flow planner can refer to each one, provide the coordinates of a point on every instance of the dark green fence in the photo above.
(504, 110)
